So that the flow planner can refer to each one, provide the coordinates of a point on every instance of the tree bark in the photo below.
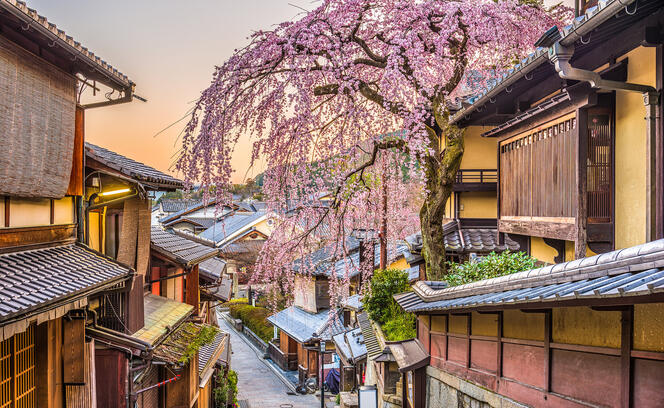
(440, 174)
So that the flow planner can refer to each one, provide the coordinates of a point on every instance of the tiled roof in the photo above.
(203, 222)
(481, 240)
(303, 326)
(352, 302)
(172, 205)
(66, 42)
(161, 316)
(580, 27)
(209, 353)
(212, 269)
(408, 354)
(370, 340)
(224, 229)
(351, 345)
(40, 277)
(131, 168)
(180, 249)
(222, 292)
(635, 271)
(242, 247)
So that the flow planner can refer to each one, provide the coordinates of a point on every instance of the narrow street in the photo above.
(257, 384)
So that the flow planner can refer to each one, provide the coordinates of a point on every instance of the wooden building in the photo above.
(579, 135)
(50, 279)
(583, 333)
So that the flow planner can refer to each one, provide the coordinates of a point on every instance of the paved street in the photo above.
(257, 384)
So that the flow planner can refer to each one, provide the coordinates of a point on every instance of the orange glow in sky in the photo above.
(169, 49)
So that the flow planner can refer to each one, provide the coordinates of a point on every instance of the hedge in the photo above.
(255, 318)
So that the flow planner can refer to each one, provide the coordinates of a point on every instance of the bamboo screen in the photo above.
(37, 116)
(17, 366)
(538, 171)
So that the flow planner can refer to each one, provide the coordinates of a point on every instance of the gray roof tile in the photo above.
(180, 249)
(130, 168)
(35, 278)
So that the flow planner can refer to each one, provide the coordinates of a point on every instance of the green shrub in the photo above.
(382, 308)
(225, 393)
(400, 325)
(491, 266)
(384, 284)
(255, 318)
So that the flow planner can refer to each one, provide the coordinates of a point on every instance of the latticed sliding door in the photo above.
(17, 366)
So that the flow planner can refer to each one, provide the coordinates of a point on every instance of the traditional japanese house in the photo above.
(578, 127)
(578, 334)
(298, 336)
(50, 279)
(213, 360)
(352, 352)
(175, 269)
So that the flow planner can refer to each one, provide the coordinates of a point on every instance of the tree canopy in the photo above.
(354, 86)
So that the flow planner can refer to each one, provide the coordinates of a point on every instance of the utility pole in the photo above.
(322, 374)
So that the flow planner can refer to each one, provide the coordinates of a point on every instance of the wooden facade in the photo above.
(552, 357)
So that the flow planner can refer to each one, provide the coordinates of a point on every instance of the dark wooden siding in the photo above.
(537, 171)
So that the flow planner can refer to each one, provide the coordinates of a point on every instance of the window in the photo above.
(17, 366)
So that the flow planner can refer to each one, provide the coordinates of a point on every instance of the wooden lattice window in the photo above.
(17, 366)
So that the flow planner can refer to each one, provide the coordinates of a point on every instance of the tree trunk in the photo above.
(440, 174)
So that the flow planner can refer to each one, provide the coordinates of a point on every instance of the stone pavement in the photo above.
(257, 384)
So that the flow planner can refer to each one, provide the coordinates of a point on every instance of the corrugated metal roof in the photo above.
(161, 316)
(36, 278)
(303, 326)
(129, 167)
(180, 249)
(634, 271)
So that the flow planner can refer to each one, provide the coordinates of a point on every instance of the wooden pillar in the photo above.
(192, 297)
(499, 348)
(659, 146)
(626, 357)
(581, 182)
(547, 350)
(48, 364)
(651, 102)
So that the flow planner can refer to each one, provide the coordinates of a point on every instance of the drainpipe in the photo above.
(560, 55)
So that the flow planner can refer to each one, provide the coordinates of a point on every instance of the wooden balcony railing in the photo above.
(476, 180)
(287, 361)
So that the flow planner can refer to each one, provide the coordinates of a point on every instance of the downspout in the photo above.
(560, 55)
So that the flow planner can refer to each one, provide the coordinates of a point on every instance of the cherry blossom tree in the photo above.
(353, 98)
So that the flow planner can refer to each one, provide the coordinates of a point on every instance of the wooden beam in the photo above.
(555, 230)
(547, 350)
(52, 212)
(580, 241)
(626, 358)
(7, 205)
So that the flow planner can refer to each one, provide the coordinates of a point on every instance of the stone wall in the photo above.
(446, 390)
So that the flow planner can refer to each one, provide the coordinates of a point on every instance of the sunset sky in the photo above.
(169, 49)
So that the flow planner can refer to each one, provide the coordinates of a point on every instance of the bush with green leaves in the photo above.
(384, 284)
(400, 325)
(255, 318)
(382, 308)
(490, 266)
(225, 393)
